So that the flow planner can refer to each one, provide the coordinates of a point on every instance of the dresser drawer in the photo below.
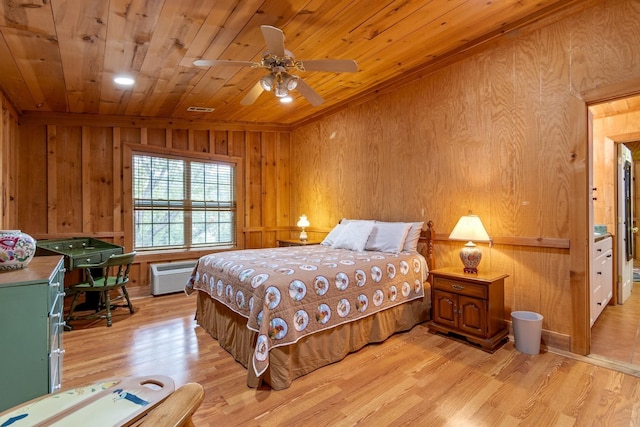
(56, 289)
(602, 246)
(461, 288)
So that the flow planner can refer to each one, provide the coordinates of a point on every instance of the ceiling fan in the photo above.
(281, 63)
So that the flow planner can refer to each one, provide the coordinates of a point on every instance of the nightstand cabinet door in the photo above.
(445, 308)
(473, 315)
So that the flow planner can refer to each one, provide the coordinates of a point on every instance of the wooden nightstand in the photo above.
(469, 305)
(297, 242)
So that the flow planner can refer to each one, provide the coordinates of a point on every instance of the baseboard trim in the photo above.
(594, 359)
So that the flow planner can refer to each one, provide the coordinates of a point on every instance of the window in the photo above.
(182, 203)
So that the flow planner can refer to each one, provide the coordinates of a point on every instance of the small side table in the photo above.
(470, 306)
(297, 242)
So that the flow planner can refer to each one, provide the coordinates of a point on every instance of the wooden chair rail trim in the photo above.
(278, 228)
(537, 242)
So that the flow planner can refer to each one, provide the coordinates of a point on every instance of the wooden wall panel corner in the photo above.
(9, 129)
(32, 172)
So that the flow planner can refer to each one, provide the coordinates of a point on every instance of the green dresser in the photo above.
(31, 325)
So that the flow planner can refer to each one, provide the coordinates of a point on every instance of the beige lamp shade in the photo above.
(470, 228)
(303, 223)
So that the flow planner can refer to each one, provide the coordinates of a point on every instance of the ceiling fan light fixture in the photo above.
(281, 89)
(267, 82)
(280, 62)
(286, 99)
(291, 82)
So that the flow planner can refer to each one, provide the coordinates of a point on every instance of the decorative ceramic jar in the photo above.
(16, 249)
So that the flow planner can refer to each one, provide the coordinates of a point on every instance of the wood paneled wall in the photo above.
(75, 178)
(8, 145)
(503, 134)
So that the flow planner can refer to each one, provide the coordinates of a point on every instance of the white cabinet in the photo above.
(601, 277)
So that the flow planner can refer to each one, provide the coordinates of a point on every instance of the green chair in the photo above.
(115, 275)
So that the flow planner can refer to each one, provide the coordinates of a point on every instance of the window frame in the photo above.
(129, 211)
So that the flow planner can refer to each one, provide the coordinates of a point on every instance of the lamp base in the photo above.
(303, 236)
(470, 255)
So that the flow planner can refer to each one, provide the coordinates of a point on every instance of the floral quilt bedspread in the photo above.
(287, 293)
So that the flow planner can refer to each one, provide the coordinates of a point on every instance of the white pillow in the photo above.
(411, 242)
(333, 235)
(347, 221)
(388, 236)
(354, 236)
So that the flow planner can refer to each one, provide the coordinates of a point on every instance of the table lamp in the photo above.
(303, 222)
(470, 228)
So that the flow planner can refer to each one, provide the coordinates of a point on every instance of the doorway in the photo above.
(613, 335)
(624, 215)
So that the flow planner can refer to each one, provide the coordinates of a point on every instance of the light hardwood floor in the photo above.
(616, 332)
(415, 378)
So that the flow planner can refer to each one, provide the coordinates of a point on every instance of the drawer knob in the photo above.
(88, 260)
(457, 287)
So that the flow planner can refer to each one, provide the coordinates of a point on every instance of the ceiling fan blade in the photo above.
(253, 94)
(337, 65)
(274, 37)
(213, 62)
(311, 95)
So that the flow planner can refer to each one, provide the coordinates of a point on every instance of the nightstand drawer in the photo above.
(289, 242)
(461, 288)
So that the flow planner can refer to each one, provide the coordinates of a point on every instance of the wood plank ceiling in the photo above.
(62, 55)
(619, 106)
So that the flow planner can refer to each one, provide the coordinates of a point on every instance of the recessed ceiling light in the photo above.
(124, 80)
(286, 99)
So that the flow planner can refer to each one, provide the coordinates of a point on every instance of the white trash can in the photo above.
(527, 331)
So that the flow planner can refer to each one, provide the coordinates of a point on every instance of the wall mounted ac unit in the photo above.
(170, 277)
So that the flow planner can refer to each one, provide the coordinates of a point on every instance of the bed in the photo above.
(285, 312)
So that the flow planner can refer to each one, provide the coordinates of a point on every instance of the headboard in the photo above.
(425, 245)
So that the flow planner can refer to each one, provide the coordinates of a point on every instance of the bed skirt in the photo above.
(311, 352)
